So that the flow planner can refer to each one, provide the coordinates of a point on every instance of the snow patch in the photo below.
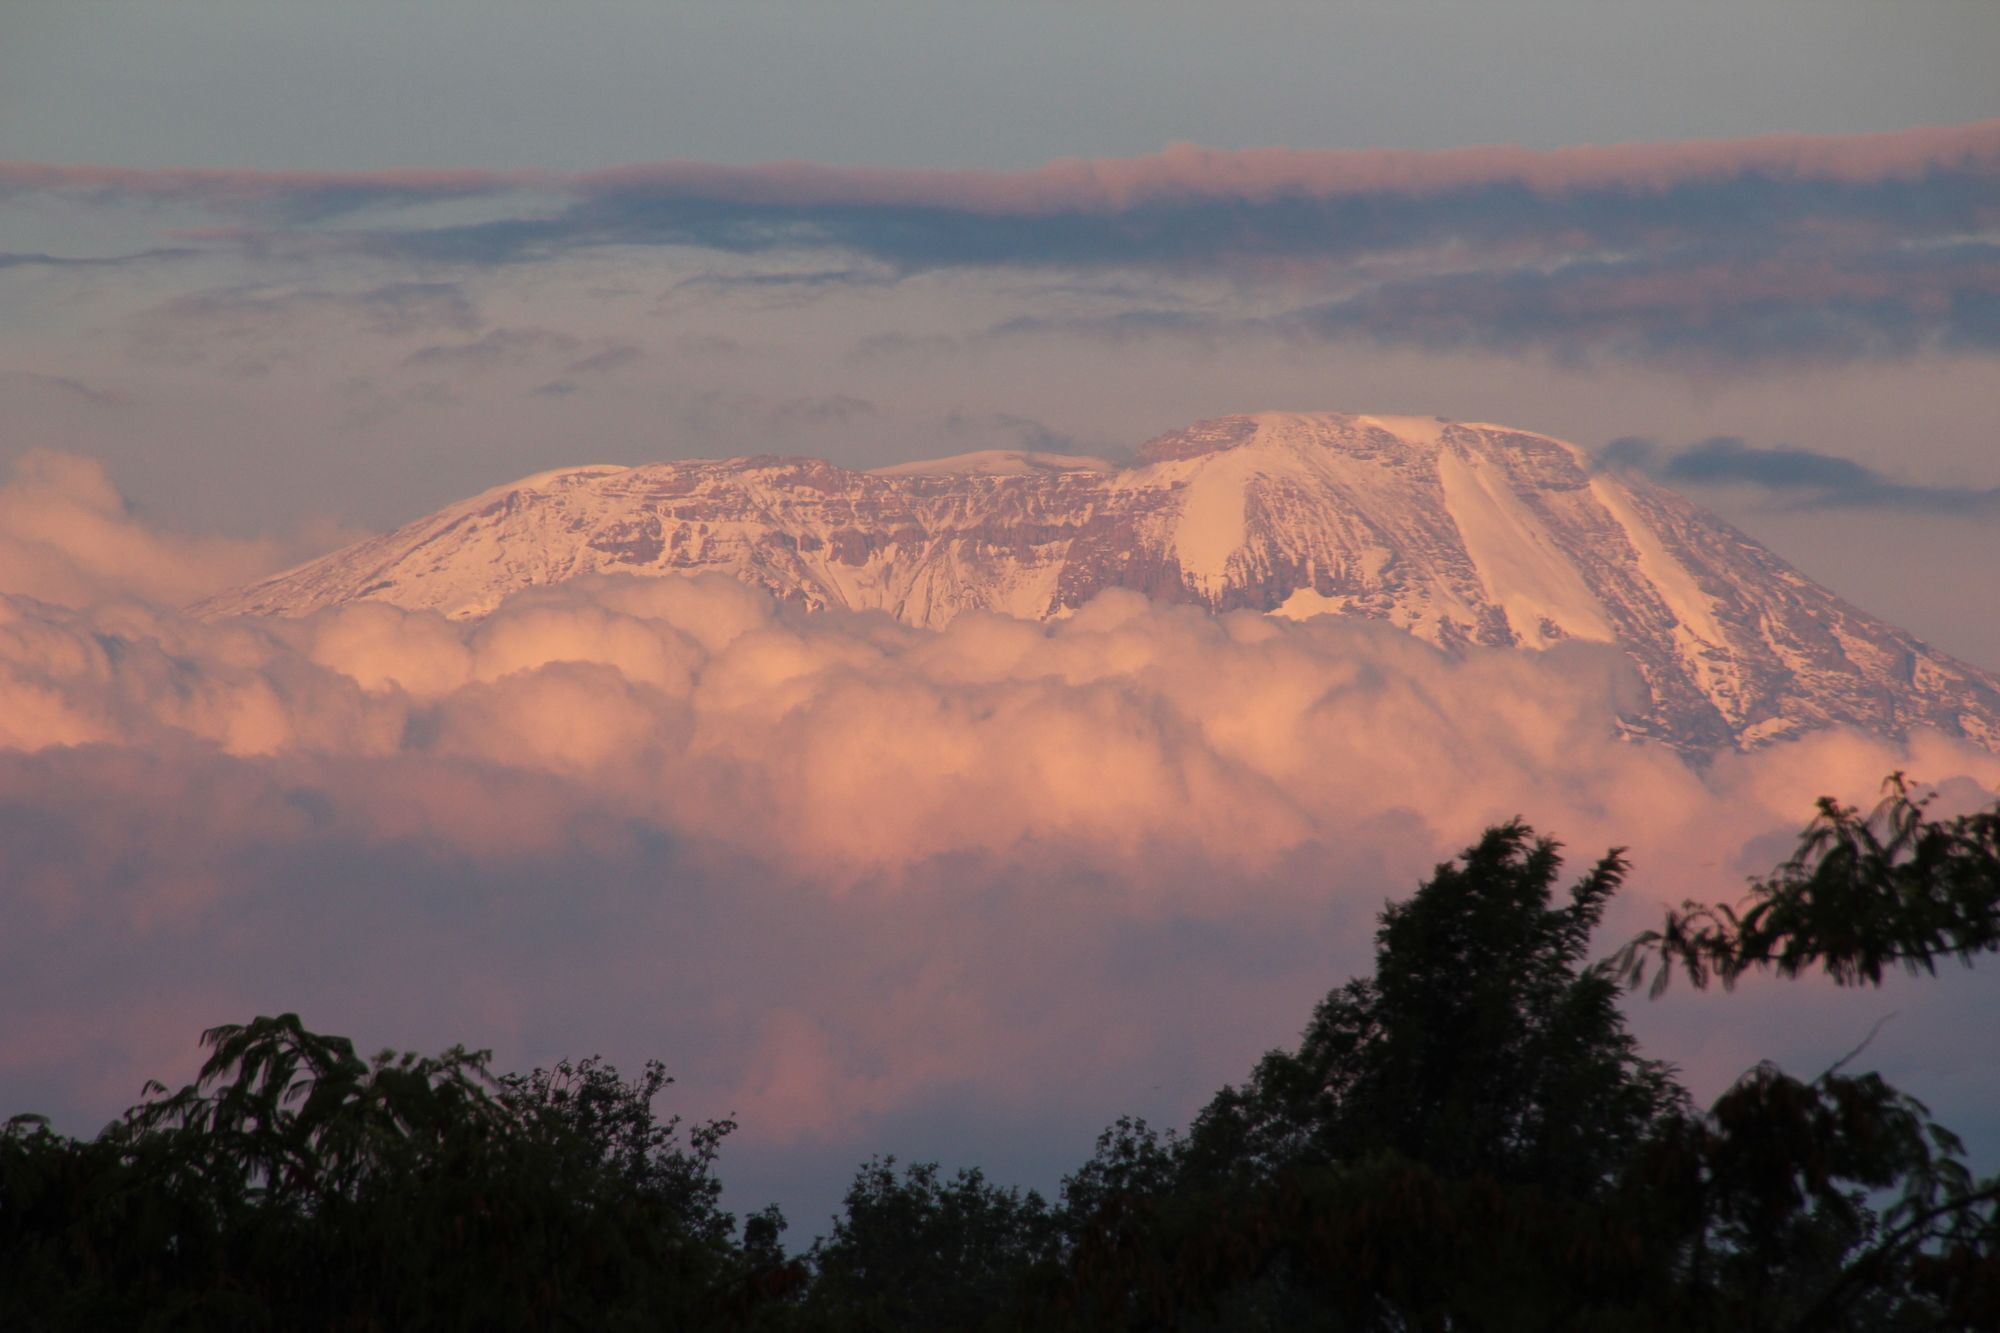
(1522, 571)
(1699, 638)
(1677, 588)
(1722, 632)
(1211, 527)
(1304, 604)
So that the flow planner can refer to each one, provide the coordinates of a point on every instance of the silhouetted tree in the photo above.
(1860, 895)
(1469, 1139)
(1484, 1043)
(1443, 1127)
(294, 1185)
(918, 1251)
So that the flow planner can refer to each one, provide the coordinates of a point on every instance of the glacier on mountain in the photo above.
(1464, 534)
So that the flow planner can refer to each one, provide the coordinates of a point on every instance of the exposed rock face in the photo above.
(1461, 534)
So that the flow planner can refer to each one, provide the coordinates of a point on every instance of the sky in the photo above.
(273, 277)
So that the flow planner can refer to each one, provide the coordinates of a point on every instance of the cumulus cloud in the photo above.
(67, 536)
(835, 868)
(869, 887)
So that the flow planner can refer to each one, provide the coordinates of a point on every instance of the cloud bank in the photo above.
(1182, 172)
(67, 536)
(856, 882)
(1721, 254)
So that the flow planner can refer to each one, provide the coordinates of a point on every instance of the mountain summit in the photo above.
(1463, 534)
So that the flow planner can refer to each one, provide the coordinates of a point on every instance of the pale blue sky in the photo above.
(370, 83)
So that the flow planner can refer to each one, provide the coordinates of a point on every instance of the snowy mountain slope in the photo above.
(1460, 533)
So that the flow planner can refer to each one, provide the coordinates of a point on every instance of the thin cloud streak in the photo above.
(36, 259)
(1185, 205)
(1698, 312)
(1183, 171)
(1805, 478)
(1699, 256)
(277, 196)
(1274, 237)
(1694, 309)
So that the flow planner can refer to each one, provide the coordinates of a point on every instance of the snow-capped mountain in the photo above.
(1460, 533)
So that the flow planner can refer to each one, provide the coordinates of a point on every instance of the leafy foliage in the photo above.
(917, 1250)
(294, 1185)
(1483, 1044)
(1861, 895)
(1470, 1139)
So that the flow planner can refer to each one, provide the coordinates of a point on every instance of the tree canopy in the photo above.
(294, 1185)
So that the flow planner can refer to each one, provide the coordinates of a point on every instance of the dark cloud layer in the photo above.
(1249, 231)
(1689, 310)
(1707, 310)
(1805, 478)
(1824, 250)
(36, 259)
(1183, 200)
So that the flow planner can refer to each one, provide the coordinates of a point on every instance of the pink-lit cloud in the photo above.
(1183, 171)
(67, 536)
(1188, 171)
(853, 881)
(641, 774)
(1743, 252)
